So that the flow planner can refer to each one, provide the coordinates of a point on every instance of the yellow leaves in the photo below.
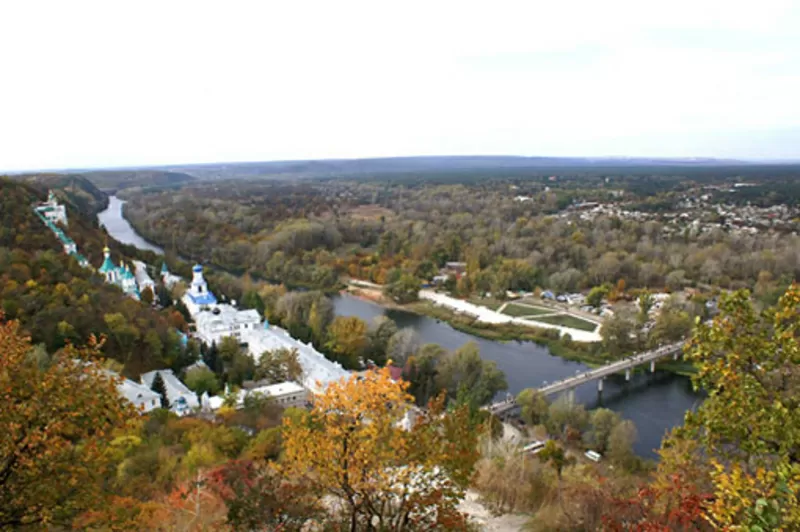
(57, 423)
(352, 442)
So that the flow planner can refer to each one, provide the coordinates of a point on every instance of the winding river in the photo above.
(654, 402)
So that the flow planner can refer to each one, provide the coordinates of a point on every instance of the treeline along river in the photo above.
(655, 402)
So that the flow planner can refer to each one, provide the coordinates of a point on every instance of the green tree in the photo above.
(646, 302)
(672, 325)
(748, 428)
(380, 332)
(596, 295)
(251, 300)
(320, 316)
(555, 455)
(280, 365)
(404, 290)
(228, 349)
(202, 380)
(421, 371)
(620, 443)
(160, 388)
(534, 406)
(566, 413)
(602, 423)
(164, 296)
(618, 334)
(468, 378)
(241, 368)
(425, 270)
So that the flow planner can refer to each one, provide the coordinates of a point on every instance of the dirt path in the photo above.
(479, 514)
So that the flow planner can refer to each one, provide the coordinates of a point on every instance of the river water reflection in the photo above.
(120, 229)
(656, 403)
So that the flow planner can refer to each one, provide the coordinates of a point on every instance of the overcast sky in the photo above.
(106, 84)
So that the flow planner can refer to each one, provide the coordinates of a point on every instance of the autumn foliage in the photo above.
(57, 419)
(352, 447)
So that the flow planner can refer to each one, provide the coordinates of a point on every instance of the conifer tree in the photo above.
(160, 388)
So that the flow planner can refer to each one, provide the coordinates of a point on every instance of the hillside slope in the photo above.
(74, 189)
(58, 301)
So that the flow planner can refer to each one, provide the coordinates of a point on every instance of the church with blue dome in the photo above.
(119, 275)
(198, 296)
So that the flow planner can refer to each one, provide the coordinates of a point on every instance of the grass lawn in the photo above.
(487, 302)
(515, 310)
(568, 321)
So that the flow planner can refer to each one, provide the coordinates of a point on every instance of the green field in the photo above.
(515, 310)
(568, 321)
(487, 302)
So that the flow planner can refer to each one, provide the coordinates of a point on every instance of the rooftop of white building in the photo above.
(173, 385)
(318, 371)
(277, 390)
(136, 393)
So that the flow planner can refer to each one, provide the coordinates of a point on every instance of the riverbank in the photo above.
(499, 332)
(590, 354)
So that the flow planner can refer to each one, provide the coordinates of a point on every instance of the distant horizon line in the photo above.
(724, 160)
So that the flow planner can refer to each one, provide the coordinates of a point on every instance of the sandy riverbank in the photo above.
(487, 315)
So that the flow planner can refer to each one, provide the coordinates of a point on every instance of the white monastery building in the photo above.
(142, 397)
(52, 210)
(224, 320)
(198, 297)
(215, 320)
(143, 279)
(181, 399)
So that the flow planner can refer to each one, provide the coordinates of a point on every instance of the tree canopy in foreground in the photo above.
(352, 447)
(57, 419)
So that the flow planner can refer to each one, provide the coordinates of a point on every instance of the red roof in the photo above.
(395, 372)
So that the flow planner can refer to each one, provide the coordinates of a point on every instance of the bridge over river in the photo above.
(627, 365)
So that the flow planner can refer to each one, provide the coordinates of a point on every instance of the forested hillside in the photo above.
(114, 180)
(74, 189)
(57, 301)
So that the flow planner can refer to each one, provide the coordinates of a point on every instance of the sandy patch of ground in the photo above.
(479, 514)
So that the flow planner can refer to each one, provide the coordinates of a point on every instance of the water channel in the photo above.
(654, 402)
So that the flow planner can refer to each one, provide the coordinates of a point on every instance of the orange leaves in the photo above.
(57, 421)
(352, 447)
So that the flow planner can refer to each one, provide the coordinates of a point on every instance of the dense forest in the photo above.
(59, 302)
(310, 233)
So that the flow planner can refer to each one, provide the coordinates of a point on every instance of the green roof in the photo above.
(107, 265)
